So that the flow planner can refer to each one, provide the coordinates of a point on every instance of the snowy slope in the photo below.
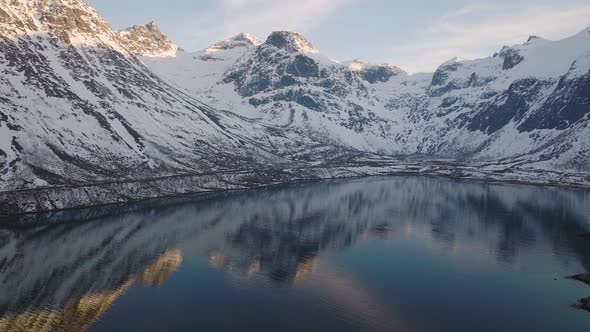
(200, 72)
(529, 99)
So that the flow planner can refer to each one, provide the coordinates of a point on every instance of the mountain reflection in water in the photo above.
(63, 271)
(80, 313)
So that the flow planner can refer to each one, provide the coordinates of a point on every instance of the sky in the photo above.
(416, 35)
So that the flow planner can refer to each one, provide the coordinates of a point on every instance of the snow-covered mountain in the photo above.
(529, 100)
(83, 104)
(286, 82)
(528, 103)
(78, 106)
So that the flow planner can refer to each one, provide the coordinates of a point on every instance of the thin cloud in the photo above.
(259, 17)
(475, 32)
(262, 16)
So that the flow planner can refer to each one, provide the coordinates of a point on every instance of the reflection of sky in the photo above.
(363, 249)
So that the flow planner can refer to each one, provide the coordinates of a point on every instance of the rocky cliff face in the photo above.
(374, 73)
(290, 42)
(239, 41)
(69, 21)
(147, 40)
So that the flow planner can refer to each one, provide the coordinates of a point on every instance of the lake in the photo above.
(376, 254)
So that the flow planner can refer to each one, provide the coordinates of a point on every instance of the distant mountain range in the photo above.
(527, 103)
(83, 105)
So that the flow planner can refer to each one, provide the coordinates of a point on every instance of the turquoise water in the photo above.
(378, 254)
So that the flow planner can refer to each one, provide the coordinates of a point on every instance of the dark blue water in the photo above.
(380, 254)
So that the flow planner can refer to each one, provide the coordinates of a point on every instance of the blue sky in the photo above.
(416, 35)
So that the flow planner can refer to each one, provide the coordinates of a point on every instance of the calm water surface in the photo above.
(380, 254)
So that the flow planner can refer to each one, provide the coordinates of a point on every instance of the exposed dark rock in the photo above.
(298, 96)
(568, 104)
(289, 41)
(303, 66)
(359, 118)
(533, 38)
(308, 102)
(374, 74)
(328, 83)
(278, 40)
(442, 73)
(136, 136)
(440, 85)
(511, 58)
(17, 147)
(287, 80)
(256, 85)
(257, 102)
(511, 106)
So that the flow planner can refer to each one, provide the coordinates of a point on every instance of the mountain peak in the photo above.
(290, 41)
(47, 3)
(374, 73)
(148, 40)
(247, 37)
(68, 20)
(454, 61)
(244, 39)
(153, 25)
(533, 38)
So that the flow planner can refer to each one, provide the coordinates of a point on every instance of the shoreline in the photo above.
(23, 202)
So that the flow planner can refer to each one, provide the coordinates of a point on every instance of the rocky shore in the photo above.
(48, 199)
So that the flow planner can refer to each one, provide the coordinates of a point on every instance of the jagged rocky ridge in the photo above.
(148, 40)
(84, 105)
